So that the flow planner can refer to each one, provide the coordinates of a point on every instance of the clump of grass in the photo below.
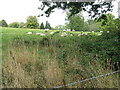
(53, 73)
(14, 75)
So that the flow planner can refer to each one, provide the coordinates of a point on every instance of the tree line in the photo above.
(75, 22)
(31, 23)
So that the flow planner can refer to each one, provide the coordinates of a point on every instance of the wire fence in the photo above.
(88, 79)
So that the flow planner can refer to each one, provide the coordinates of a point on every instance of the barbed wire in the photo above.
(88, 79)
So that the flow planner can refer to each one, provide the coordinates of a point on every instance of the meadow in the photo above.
(33, 61)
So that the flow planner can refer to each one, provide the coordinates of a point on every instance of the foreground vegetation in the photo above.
(31, 61)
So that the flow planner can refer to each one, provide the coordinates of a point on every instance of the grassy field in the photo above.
(33, 61)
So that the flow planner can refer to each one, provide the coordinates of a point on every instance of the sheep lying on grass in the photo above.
(41, 34)
(29, 33)
(64, 30)
(71, 34)
(64, 34)
(82, 34)
(52, 33)
(100, 34)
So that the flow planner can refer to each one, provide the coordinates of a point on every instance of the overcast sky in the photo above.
(19, 10)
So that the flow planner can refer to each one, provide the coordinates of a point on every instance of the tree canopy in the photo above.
(76, 22)
(105, 18)
(32, 22)
(92, 8)
(3, 23)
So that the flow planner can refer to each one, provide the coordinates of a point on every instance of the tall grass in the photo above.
(36, 67)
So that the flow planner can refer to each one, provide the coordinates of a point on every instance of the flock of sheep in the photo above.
(63, 34)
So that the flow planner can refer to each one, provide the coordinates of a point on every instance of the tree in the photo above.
(42, 26)
(14, 25)
(76, 22)
(105, 18)
(32, 22)
(3, 23)
(77, 7)
(21, 25)
(109, 23)
(93, 25)
(47, 25)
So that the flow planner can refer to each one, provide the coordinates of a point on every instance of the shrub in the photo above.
(14, 25)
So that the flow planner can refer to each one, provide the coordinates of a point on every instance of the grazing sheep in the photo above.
(108, 31)
(63, 34)
(85, 34)
(92, 31)
(46, 30)
(29, 33)
(73, 30)
(80, 34)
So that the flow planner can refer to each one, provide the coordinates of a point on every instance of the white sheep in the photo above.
(63, 34)
(41, 34)
(108, 31)
(80, 34)
(37, 33)
(68, 29)
(46, 30)
(73, 30)
(64, 30)
(52, 32)
(29, 33)
(71, 34)
(85, 34)
(99, 34)
(101, 31)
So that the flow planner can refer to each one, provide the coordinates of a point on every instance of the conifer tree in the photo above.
(42, 26)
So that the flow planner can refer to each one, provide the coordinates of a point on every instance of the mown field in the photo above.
(33, 61)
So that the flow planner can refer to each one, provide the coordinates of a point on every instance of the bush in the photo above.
(14, 25)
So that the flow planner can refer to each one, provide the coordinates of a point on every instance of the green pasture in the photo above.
(10, 33)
